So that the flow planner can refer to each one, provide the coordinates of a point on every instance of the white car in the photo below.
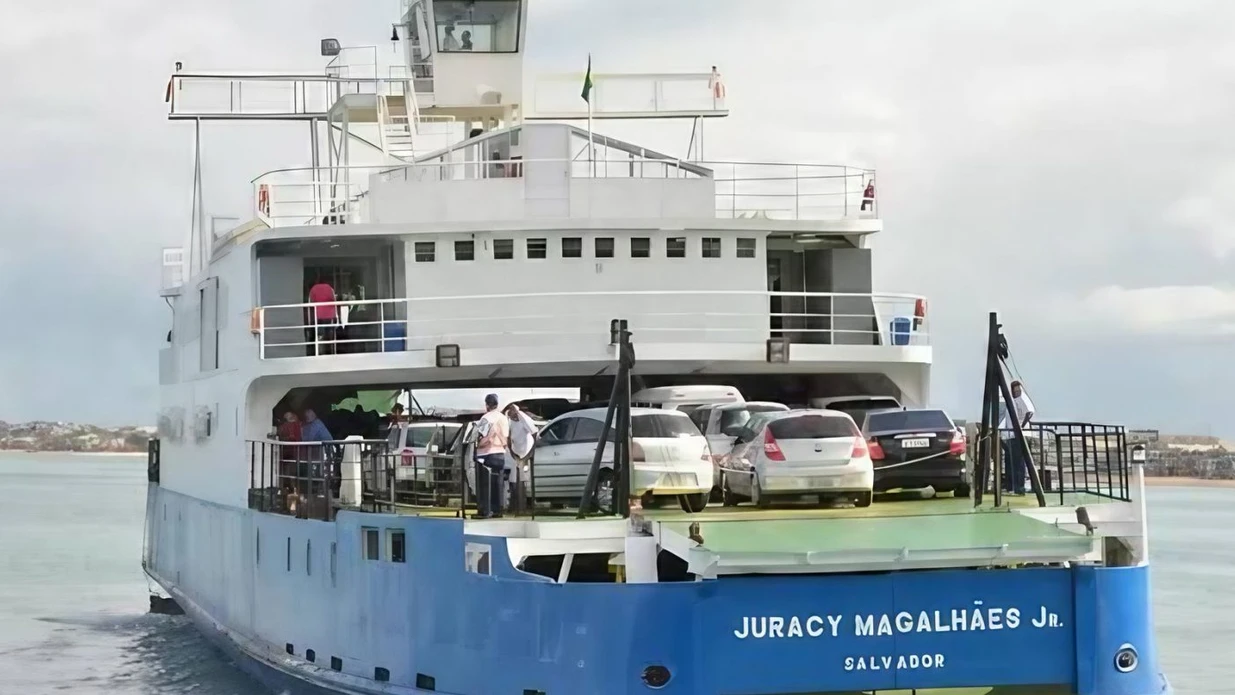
(669, 457)
(412, 442)
(722, 423)
(795, 453)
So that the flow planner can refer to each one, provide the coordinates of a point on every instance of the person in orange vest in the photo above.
(868, 196)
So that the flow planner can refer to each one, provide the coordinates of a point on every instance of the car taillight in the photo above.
(957, 447)
(875, 448)
(770, 448)
(636, 452)
(859, 448)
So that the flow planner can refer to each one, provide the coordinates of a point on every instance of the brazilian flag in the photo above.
(587, 81)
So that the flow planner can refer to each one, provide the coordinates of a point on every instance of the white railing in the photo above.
(627, 95)
(271, 96)
(743, 190)
(557, 318)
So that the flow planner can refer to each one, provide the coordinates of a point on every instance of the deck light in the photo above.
(448, 355)
(330, 48)
(778, 350)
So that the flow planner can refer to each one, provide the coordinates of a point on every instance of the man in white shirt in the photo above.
(1014, 461)
(522, 440)
(492, 438)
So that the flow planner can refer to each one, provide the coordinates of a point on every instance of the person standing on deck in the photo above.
(1013, 456)
(324, 316)
(492, 438)
(522, 440)
(868, 195)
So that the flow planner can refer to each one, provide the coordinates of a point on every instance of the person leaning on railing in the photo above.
(1014, 458)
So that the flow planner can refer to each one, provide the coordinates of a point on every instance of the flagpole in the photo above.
(591, 144)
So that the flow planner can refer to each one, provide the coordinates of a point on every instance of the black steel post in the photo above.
(982, 467)
(626, 357)
(589, 489)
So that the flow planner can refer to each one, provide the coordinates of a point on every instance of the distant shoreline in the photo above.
(1179, 481)
(106, 454)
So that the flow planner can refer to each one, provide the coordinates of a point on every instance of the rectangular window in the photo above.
(572, 247)
(425, 251)
(465, 250)
(604, 247)
(477, 557)
(372, 544)
(746, 248)
(538, 248)
(396, 544)
(476, 26)
(675, 247)
(503, 249)
(640, 247)
(711, 247)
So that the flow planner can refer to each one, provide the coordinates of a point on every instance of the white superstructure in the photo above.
(478, 235)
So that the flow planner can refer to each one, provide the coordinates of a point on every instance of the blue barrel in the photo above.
(902, 327)
(394, 336)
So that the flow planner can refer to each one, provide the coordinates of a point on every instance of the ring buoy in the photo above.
(255, 321)
(263, 199)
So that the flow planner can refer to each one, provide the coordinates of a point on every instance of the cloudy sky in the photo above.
(1070, 164)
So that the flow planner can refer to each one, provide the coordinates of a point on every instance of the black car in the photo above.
(916, 448)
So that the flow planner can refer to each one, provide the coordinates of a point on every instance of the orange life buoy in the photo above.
(263, 199)
(255, 321)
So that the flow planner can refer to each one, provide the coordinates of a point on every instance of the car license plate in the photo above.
(915, 443)
(823, 481)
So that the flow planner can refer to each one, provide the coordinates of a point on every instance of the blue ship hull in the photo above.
(270, 588)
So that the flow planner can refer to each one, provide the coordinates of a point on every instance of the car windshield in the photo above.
(754, 424)
(737, 417)
(812, 426)
(903, 420)
(421, 437)
(858, 407)
(658, 425)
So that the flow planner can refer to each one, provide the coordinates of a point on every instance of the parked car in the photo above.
(669, 457)
(855, 407)
(413, 441)
(721, 423)
(916, 448)
(798, 452)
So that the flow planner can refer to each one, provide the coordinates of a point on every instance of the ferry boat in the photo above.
(480, 235)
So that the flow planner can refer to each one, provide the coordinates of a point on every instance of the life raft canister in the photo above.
(255, 321)
(919, 312)
(263, 199)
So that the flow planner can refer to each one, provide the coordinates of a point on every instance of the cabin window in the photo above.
(396, 544)
(425, 251)
(746, 248)
(503, 249)
(477, 26)
(538, 248)
(711, 247)
(465, 250)
(477, 555)
(572, 247)
(371, 544)
(604, 247)
(640, 247)
(675, 247)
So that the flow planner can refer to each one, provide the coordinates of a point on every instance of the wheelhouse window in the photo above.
(537, 248)
(675, 247)
(396, 543)
(372, 543)
(746, 247)
(477, 26)
(604, 247)
(503, 249)
(465, 250)
(425, 251)
(711, 247)
(572, 247)
(640, 247)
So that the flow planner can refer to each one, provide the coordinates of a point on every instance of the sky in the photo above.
(1067, 164)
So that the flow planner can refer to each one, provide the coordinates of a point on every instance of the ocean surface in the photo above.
(73, 598)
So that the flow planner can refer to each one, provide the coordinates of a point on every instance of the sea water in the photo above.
(73, 598)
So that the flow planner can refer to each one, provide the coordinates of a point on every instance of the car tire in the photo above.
(650, 501)
(693, 504)
(863, 499)
(961, 490)
(606, 481)
(728, 497)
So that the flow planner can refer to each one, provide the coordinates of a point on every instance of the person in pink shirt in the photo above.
(324, 317)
